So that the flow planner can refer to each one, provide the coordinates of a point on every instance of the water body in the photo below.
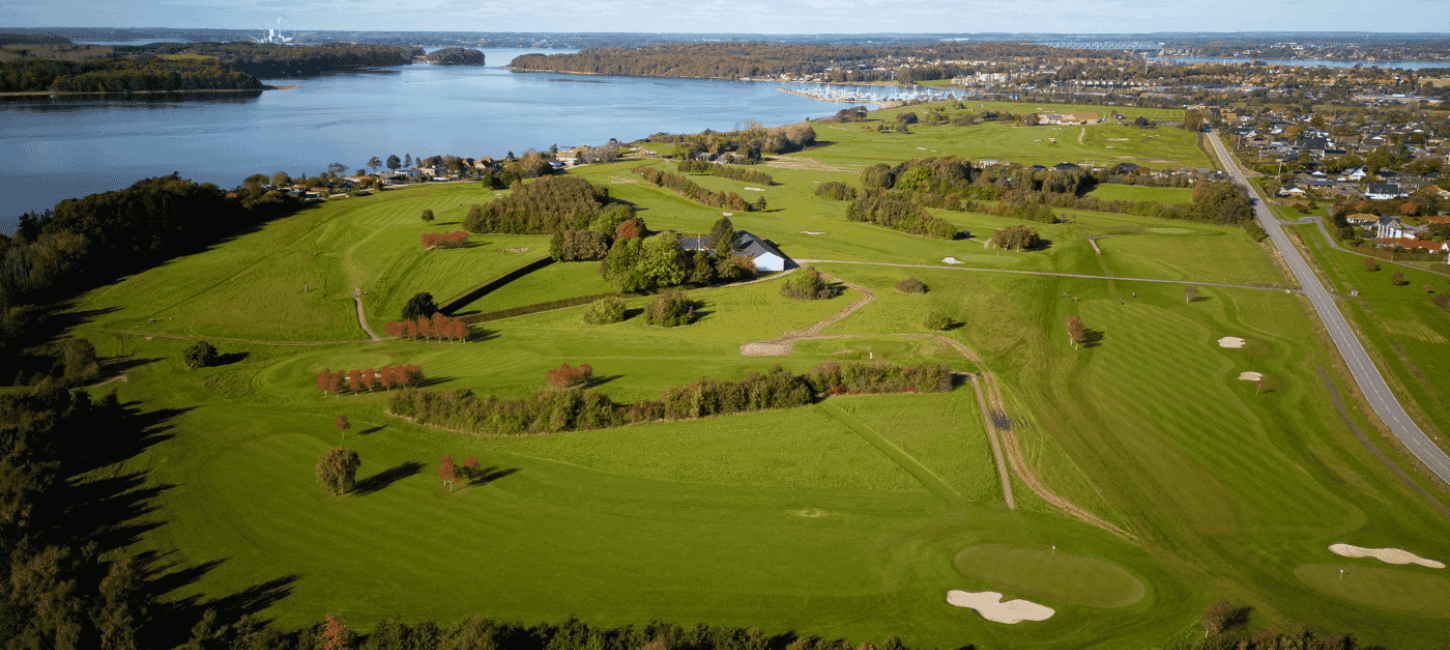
(1313, 63)
(55, 149)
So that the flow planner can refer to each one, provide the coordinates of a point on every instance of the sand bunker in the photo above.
(516, 250)
(952, 260)
(1386, 555)
(811, 232)
(1249, 375)
(765, 349)
(987, 603)
(1230, 342)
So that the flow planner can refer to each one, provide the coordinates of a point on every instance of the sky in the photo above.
(744, 16)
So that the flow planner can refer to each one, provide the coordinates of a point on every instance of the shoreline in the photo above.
(63, 93)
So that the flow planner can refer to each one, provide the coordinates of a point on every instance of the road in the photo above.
(1371, 383)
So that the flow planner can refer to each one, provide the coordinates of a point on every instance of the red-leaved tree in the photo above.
(470, 467)
(566, 377)
(341, 424)
(447, 471)
(1075, 331)
(324, 381)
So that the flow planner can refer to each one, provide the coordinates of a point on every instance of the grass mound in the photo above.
(1070, 578)
(1396, 590)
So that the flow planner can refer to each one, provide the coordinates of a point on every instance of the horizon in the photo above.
(1097, 17)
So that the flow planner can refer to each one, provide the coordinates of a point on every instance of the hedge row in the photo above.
(530, 309)
(577, 409)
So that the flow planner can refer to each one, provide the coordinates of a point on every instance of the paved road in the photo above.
(1361, 367)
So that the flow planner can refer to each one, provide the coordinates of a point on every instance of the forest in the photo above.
(550, 205)
(726, 60)
(144, 74)
(272, 60)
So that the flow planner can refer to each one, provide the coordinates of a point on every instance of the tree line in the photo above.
(724, 171)
(635, 265)
(748, 143)
(437, 326)
(271, 60)
(575, 409)
(896, 211)
(434, 240)
(117, 75)
(385, 378)
(688, 189)
(543, 207)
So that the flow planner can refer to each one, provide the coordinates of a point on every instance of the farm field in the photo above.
(849, 518)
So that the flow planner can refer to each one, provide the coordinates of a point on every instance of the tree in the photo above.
(1216, 617)
(124, 604)
(1075, 332)
(1370, 264)
(722, 238)
(911, 285)
(200, 355)
(1189, 293)
(341, 424)
(338, 470)
(374, 164)
(408, 160)
(334, 634)
(427, 216)
(394, 163)
(1398, 279)
(1017, 238)
(610, 309)
(280, 178)
(447, 471)
(419, 306)
(470, 467)
(566, 377)
(938, 320)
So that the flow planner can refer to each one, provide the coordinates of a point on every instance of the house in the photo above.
(1391, 228)
(1421, 245)
(1065, 167)
(1382, 191)
(766, 256)
(1356, 174)
(1362, 219)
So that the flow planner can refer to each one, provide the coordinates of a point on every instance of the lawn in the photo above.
(851, 517)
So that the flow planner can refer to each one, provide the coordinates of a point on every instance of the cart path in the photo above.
(1055, 274)
(996, 445)
(362, 318)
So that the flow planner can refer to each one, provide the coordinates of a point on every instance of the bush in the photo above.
(427, 216)
(605, 311)
(807, 284)
(200, 355)
(578, 245)
(837, 191)
(1370, 264)
(938, 320)
(419, 306)
(566, 377)
(1017, 238)
(1442, 301)
(670, 309)
(455, 239)
(1398, 279)
(911, 285)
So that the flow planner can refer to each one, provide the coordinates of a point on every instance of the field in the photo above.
(848, 518)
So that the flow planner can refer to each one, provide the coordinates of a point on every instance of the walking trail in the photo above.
(362, 319)
(999, 429)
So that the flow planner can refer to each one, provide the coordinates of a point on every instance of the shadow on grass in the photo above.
(386, 477)
(112, 366)
(230, 358)
(1092, 338)
(602, 380)
(486, 476)
(373, 430)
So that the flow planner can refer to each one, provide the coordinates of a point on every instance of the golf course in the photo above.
(1125, 484)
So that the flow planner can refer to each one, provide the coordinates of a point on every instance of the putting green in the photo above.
(1396, 590)
(1166, 230)
(1069, 578)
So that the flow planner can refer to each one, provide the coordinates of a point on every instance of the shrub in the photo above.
(670, 309)
(938, 320)
(566, 377)
(1442, 301)
(629, 229)
(200, 355)
(455, 239)
(419, 306)
(807, 284)
(837, 191)
(911, 285)
(1017, 237)
(1370, 264)
(427, 216)
(604, 311)
(1398, 279)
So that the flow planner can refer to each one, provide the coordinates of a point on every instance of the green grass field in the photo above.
(848, 518)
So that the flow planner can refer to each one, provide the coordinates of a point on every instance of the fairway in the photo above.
(847, 518)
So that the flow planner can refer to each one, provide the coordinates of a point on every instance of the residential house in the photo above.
(1391, 228)
(1382, 191)
(766, 256)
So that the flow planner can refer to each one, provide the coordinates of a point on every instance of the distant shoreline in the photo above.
(49, 93)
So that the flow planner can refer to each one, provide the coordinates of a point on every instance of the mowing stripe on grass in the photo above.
(903, 459)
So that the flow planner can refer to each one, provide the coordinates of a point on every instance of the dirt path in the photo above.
(781, 345)
(1080, 135)
(996, 445)
(362, 318)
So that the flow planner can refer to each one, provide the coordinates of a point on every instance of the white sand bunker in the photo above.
(1230, 342)
(1387, 555)
(811, 232)
(987, 603)
(952, 260)
(1249, 375)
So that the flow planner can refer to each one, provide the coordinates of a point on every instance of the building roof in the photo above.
(1427, 244)
(752, 246)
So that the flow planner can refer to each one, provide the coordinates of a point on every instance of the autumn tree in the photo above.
(470, 467)
(342, 425)
(1189, 293)
(334, 634)
(1075, 332)
(448, 471)
(1370, 264)
(338, 470)
(1398, 279)
(567, 377)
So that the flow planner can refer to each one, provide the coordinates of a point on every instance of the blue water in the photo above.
(54, 149)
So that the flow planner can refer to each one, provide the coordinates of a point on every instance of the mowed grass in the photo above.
(1047, 573)
(1169, 195)
(1396, 590)
(840, 519)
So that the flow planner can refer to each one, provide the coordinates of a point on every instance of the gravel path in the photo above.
(362, 319)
